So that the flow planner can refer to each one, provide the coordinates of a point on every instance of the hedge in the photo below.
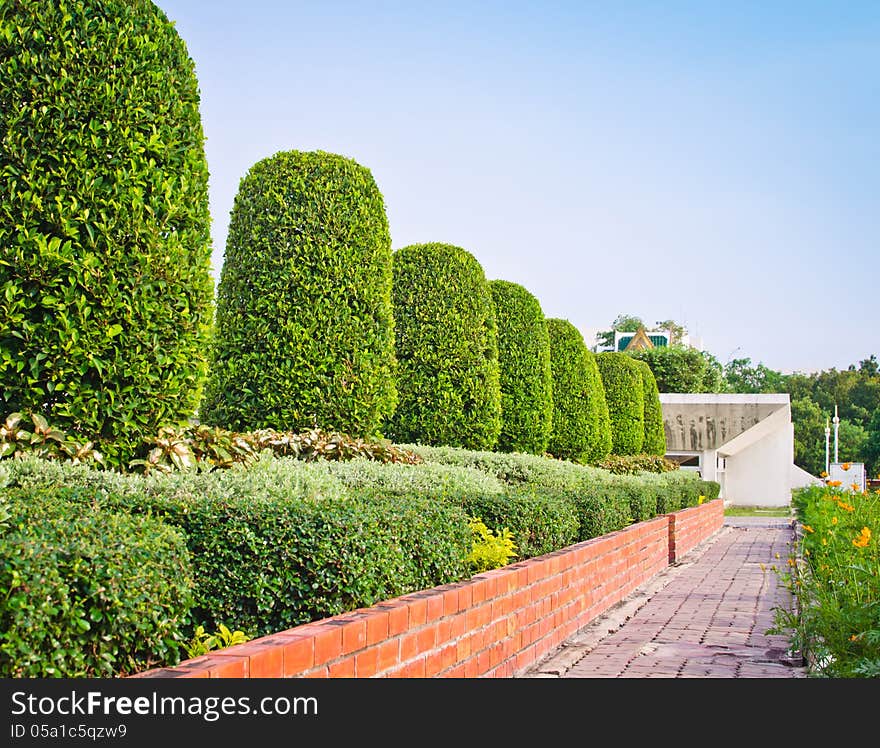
(655, 433)
(447, 349)
(88, 592)
(581, 427)
(283, 542)
(105, 279)
(305, 332)
(624, 393)
(524, 365)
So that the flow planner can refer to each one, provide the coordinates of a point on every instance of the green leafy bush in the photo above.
(202, 642)
(655, 434)
(447, 349)
(105, 284)
(539, 521)
(624, 394)
(88, 592)
(283, 542)
(305, 333)
(490, 551)
(581, 427)
(524, 365)
(635, 464)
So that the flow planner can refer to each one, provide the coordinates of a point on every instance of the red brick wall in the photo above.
(689, 527)
(495, 624)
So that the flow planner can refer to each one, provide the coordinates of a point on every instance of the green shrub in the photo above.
(624, 394)
(427, 480)
(524, 365)
(88, 592)
(284, 542)
(104, 224)
(447, 350)
(635, 464)
(489, 551)
(539, 521)
(581, 429)
(655, 434)
(514, 469)
(305, 333)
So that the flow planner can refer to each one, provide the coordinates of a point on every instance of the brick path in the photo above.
(705, 617)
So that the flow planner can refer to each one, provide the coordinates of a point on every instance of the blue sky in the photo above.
(713, 163)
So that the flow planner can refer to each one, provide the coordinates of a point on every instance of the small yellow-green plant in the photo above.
(490, 551)
(203, 642)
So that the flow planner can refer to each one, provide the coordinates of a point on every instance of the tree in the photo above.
(741, 376)
(581, 425)
(655, 433)
(447, 349)
(305, 333)
(679, 369)
(624, 394)
(105, 241)
(524, 367)
(676, 331)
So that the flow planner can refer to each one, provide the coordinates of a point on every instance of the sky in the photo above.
(711, 163)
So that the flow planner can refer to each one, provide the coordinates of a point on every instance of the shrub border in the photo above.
(495, 624)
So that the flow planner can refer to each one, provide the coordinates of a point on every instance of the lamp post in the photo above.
(836, 422)
(827, 445)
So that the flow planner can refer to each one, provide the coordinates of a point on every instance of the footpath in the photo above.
(705, 617)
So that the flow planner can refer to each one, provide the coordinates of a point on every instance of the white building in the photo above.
(744, 442)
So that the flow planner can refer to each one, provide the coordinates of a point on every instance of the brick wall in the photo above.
(495, 624)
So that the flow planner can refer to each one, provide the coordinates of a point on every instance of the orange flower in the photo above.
(846, 465)
(823, 474)
(834, 483)
(863, 538)
(855, 486)
(807, 528)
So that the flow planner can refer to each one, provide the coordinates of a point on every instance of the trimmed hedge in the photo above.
(447, 350)
(655, 433)
(305, 332)
(524, 364)
(88, 592)
(581, 427)
(105, 244)
(284, 542)
(624, 394)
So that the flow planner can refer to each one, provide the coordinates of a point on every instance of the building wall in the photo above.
(760, 475)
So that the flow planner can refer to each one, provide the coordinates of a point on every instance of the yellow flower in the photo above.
(854, 486)
(791, 561)
(853, 638)
(823, 474)
(776, 555)
(701, 500)
(834, 520)
(824, 542)
(808, 528)
(807, 552)
(763, 568)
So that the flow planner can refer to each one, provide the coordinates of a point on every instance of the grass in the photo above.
(757, 511)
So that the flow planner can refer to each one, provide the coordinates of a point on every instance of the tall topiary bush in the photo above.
(105, 283)
(655, 434)
(625, 396)
(304, 327)
(524, 367)
(447, 349)
(581, 428)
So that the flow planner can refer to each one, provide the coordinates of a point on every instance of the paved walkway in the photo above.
(705, 617)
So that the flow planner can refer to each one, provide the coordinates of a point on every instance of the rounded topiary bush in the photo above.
(104, 224)
(524, 367)
(625, 397)
(304, 327)
(581, 429)
(447, 349)
(655, 434)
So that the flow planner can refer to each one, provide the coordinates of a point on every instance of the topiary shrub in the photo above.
(105, 281)
(524, 367)
(581, 427)
(655, 434)
(625, 396)
(447, 351)
(305, 332)
(88, 592)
